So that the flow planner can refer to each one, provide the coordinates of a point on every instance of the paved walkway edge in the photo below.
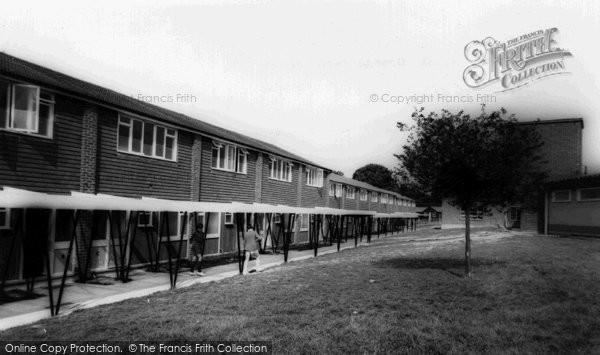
(28, 318)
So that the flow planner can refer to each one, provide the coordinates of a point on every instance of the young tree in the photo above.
(482, 161)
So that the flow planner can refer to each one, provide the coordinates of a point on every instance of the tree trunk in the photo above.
(468, 242)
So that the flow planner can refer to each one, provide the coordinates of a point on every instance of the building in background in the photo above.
(562, 151)
(573, 206)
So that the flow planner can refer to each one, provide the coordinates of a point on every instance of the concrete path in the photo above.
(81, 296)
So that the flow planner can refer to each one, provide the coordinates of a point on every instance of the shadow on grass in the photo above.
(452, 266)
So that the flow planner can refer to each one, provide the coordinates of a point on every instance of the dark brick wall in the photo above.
(562, 148)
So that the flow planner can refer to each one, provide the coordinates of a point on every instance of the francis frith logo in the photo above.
(516, 62)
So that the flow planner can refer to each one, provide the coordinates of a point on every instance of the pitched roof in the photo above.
(344, 180)
(29, 72)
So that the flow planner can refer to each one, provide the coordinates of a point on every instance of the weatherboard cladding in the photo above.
(51, 79)
(279, 192)
(311, 195)
(226, 186)
(131, 175)
(45, 165)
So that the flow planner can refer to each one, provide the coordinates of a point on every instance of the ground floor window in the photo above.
(514, 214)
(590, 194)
(4, 218)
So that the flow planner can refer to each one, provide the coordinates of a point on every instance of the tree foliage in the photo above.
(376, 175)
(488, 160)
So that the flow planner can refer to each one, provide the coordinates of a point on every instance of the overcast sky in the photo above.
(302, 75)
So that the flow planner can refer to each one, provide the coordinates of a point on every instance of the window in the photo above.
(590, 194)
(145, 219)
(373, 196)
(514, 214)
(280, 169)
(384, 198)
(4, 218)
(561, 196)
(228, 218)
(26, 109)
(229, 157)
(145, 138)
(304, 222)
(391, 200)
(363, 195)
(331, 189)
(338, 190)
(314, 177)
(277, 218)
(350, 192)
(475, 215)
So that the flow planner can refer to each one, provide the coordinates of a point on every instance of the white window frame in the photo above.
(143, 225)
(350, 192)
(40, 100)
(314, 177)
(331, 189)
(235, 160)
(579, 198)
(277, 218)
(304, 217)
(563, 200)
(280, 169)
(338, 190)
(363, 195)
(384, 199)
(374, 196)
(5, 224)
(173, 135)
(228, 219)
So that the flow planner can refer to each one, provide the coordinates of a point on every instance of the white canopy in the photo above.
(18, 198)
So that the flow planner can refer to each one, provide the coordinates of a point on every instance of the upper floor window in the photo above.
(384, 198)
(26, 109)
(331, 189)
(229, 157)
(350, 192)
(590, 194)
(338, 190)
(363, 195)
(145, 138)
(314, 177)
(280, 169)
(561, 196)
(373, 196)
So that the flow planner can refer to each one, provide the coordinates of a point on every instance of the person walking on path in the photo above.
(250, 245)
(197, 241)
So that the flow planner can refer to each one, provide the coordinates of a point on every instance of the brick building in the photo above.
(562, 151)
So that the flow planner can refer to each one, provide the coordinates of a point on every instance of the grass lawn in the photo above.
(528, 294)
